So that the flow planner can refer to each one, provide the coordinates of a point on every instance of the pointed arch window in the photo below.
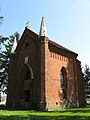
(28, 75)
(63, 82)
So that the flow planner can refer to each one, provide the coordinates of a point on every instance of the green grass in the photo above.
(65, 114)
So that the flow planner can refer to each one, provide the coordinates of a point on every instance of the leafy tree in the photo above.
(5, 58)
(87, 80)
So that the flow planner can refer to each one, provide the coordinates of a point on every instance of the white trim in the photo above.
(32, 76)
(30, 68)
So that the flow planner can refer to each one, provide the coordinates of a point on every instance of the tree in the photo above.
(1, 19)
(87, 80)
(5, 58)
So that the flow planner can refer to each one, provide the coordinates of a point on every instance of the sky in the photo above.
(68, 22)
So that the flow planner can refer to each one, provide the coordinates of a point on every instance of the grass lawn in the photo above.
(65, 114)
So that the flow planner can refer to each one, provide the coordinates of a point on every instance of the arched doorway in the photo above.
(63, 82)
(26, 87)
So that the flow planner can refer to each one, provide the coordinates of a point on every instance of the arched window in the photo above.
(28, 75)
(63, 82)
(29, 72)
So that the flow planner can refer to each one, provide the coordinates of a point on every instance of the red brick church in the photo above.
(43, 75)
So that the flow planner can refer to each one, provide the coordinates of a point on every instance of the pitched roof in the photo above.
(61, 47)
(50, 41)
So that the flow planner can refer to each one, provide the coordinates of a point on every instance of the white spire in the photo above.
(14, 45)
(43, 28)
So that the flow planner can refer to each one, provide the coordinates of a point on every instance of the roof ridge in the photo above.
(61, 47)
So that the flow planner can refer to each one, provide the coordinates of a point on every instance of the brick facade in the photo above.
(35, 75)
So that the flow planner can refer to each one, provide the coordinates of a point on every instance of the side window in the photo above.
(61, 78)
(63, 82)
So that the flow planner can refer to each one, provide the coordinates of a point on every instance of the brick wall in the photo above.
(56, 60)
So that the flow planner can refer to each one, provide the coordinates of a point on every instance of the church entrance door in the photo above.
(26, 86)
(28, 93)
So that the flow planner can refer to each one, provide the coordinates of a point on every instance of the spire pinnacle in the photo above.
(43, 28)
(14, 45)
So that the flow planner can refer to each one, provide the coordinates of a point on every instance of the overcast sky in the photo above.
(68, 21)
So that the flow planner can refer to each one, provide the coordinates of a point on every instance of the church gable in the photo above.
(28, 39)
(27, 48)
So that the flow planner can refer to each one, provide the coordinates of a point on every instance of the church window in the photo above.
(27, 45)
(62, 78)
(28, 75)
(63, 83)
